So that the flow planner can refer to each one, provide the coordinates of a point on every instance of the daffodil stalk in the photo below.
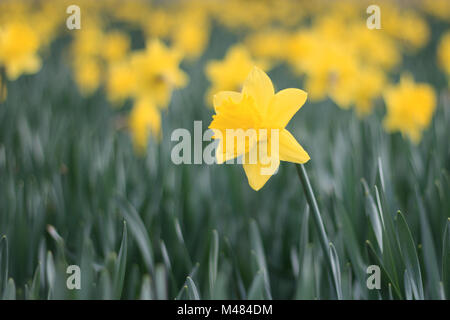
(324, 242)
(2, 84)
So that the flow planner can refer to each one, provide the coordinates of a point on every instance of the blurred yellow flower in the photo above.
(144, 121)
(438, 8)
(158, 24)
(88, 41)
(18, 49)
(300, 48)
(191, 36)
(87, 75)
(121, 82)
(373, 47)
(257, 107)
(231, 72)
(157, 72)
(369, 83)
(115, 46)
(269, 45)
(444, 54)
(410, 107)
(406, 26)
(331, 72)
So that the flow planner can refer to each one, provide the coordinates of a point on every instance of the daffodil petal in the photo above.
(285, 104)
(222, 156)
(290, 150)
(259, 86)
(259, 173)
(256, 180)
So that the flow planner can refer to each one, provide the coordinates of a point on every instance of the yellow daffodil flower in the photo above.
(269, 45)
(410, 107)
(115, 46)
(157, 72)
(121, 82)
(191, 35)
(368, 85)
(87, 75)
(144, 121)
(18, 49)
(259, 116)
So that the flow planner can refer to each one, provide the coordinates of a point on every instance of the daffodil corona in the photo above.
(257, 117)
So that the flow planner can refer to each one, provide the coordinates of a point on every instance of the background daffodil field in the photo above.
(86, 176)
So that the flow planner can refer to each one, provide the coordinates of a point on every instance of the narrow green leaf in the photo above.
(51, 273)
(375, 217)
(10, 291)
(139, 232)
(237, 273)
(35, 284)
(4, 262)
(335, 266)
(146, 290)
(161, 282)
(257, 245)
(105, 285)
(429, 252)
(213, 261)
(192, 289)
(446, 260)
(410, 258)
(257, 288)
(408, 281)
(180, 237)
(121, 264)
(378, 262)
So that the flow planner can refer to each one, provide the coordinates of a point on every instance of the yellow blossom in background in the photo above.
(331, 72)
(157, 72)
(406, 26)
(230, 73)
(437, 8)
(300, 48)
(444, 54)
(88, 41)
(191, 35)
(258, 107)
(115, 46)
(121, 82)
(144, 121)
(268, 45)
(410, 107)
(47, 20)
(88, 75)
(19, 56)
(158, 24)
(369, 84)
(373, 47)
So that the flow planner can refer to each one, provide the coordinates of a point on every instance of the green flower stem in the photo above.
(2, 83)
(324, 242)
